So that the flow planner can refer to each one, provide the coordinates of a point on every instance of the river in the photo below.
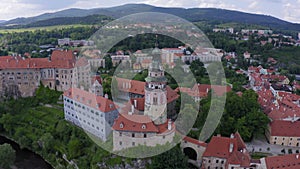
(26, 159)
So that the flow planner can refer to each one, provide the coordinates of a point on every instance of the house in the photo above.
(290, 161)
(224, 152)
(90, 111)
(20, 76)
(284, 133)
(200, 91)
(247, 55)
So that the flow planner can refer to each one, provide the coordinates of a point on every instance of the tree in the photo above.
(7, 156)
(171, 159)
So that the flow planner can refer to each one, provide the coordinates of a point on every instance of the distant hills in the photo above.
(191, 14)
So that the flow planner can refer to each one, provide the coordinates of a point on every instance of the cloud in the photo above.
(11, 9)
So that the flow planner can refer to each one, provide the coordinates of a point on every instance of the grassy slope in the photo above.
(49, 28)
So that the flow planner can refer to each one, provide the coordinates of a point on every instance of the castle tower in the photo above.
(96, 86)
(155, 91)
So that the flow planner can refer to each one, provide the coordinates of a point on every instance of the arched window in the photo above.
(121, 125)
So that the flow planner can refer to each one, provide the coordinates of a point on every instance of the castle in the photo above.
(150, 127)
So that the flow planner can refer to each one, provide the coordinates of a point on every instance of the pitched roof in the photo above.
(285, 128)
(137, 87)
(217, 89)
(59, 59)
(91, 100)
(291, 161)
(220, 147)
(134, 123)
(194, 141)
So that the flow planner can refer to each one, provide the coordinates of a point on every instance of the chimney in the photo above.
(297, 156)
(81, 88)
(231, 147)
(232, 135)
(106, 96)
(169, 124)
(131, 111)
(135, 103)
(294, 118)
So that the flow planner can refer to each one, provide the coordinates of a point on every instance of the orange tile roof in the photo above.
(219, 147)
(217, 89)
(194, 141)
(285, 128)
(291, 161)
(59, 59)
(139, 123)
(137, 87)
(134, 123)
(89, 99)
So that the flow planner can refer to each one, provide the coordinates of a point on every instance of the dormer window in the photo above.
(144, 126)
(121, 125)
(111, 106)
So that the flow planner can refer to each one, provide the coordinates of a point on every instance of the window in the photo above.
(145, 135)
(120, 143)
(155, 100)
(133, 135)
(217, 161)
(133, 143)
(120, 134)
(121, 125)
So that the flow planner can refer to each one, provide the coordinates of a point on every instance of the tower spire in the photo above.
(156, 41)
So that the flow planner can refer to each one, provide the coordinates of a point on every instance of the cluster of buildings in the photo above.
(20, 76)
(169, 57)
(142, 120)
(230, 30)
(75, 43)
(231, 153)
(279, 103)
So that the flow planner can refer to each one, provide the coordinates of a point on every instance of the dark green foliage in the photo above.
(7, 156)
(172, 159)
(46, 95)
(87, 20)
(242, 114)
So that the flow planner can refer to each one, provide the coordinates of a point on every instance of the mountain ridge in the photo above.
(191, 14)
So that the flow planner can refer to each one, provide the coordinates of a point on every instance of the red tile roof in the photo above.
(283, 113)
(134, 123)
(97, 78)
(59, 59)
(91, 100)
(81, 62)
(137, 87)
(285, 128)
(217, 89)
(138, 123)
(220, 147)
(194, 141)
(291, 161)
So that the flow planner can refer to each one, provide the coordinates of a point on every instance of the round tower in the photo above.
(155, 91)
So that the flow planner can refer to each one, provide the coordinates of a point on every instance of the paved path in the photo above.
(262, 145)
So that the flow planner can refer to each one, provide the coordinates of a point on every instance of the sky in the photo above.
(288, 10)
